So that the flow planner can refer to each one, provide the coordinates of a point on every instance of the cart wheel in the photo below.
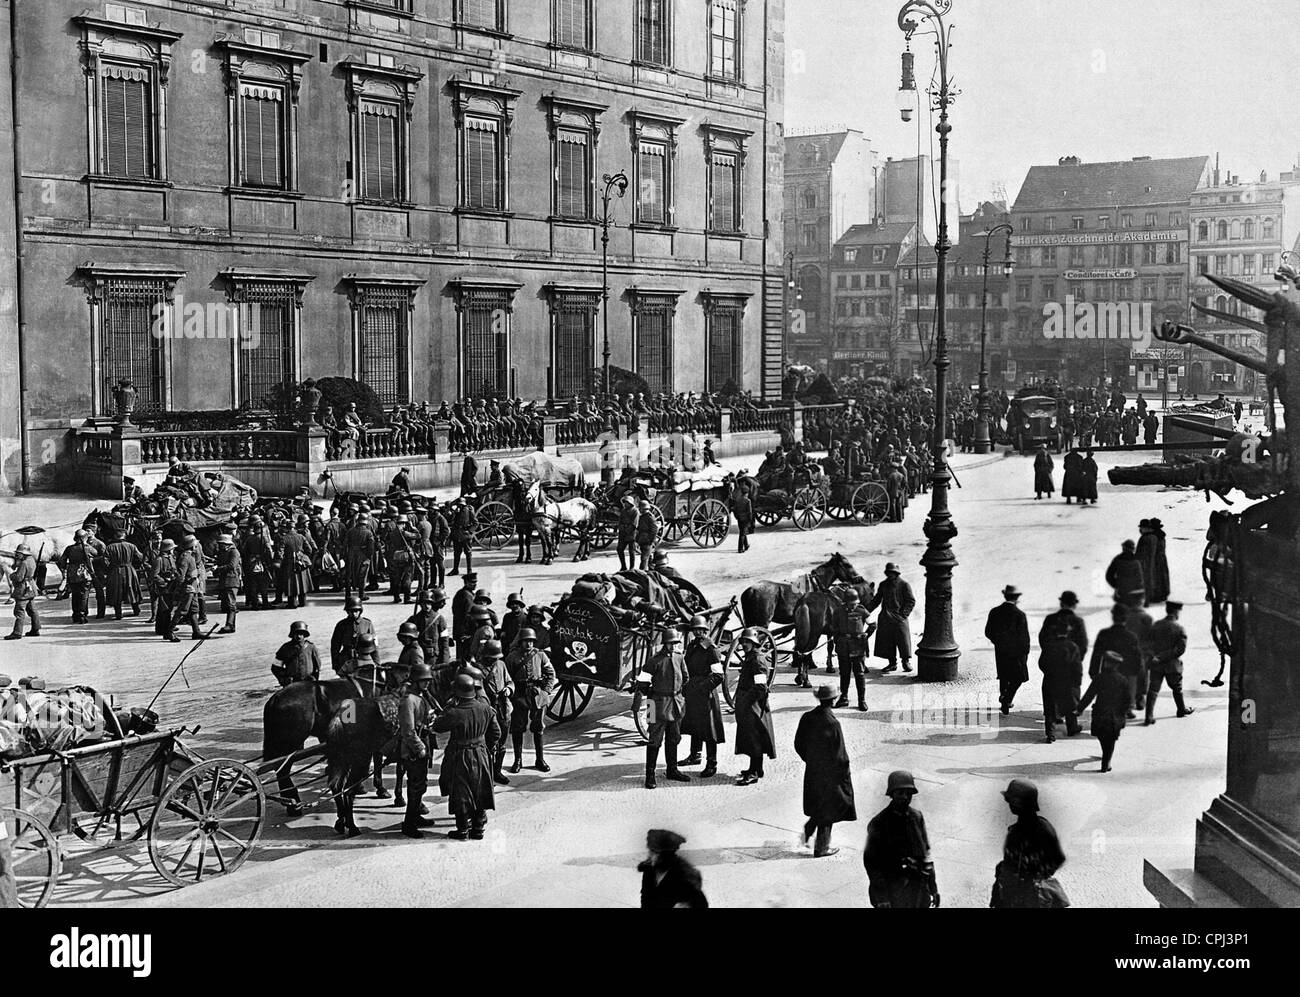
(658, 515)
(675, 529)
(641, 714)
(603, 534)
(709, 523)
(496, 525)
(767, 517)
(870, 502)
(838, 506)
(36, 859)
(809, 509)
(570, 699)
(731, 664)
(207, 822)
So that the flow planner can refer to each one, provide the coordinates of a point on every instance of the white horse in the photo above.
(549, 518)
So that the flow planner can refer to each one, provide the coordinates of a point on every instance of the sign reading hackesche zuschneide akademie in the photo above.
(1099, 238)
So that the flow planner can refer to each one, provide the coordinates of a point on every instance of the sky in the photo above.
(1102, 80)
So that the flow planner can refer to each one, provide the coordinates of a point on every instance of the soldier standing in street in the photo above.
(411, 655)
(298, 660)
(76, 565)
(742, 510)
(162, 578)
(359, 552)
(413, 746)
(647, 535)
(667, 880)
(230, 576)
(187, 582)
(466, 774)
(461, 603)
(516, 618)
(827, 781)
(702, 719)
(124, 562)
(348, 633)
(1112, 692)
(440, 533)
(1168, 645)
(464, 522)
(629, 518)
(897, 856)
(1031, 855)
(1008, 630)
(99, 568)
(850, 649)
(497, 691)
(893, 635)
(754, 734)
(430, 620)
(401, 543)
(663, 681)
(22, 586)
(258, 560)
(534, 678)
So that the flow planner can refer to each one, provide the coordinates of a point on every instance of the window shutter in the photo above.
(480, 13)
(654, 35)
(571, 174)
(379, 152)
(722, 182)
(571, 23)
(482, 189)
(263, 137)
(127, 123)
(652, 197)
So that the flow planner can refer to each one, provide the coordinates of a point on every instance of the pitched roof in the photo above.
(833, 142)
(1071, 184)
(890, 234)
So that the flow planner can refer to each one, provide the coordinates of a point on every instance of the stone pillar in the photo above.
(551, 434)
(796, 419)
(127, 461)
(724, 422)
(310, 466)
(442, 442)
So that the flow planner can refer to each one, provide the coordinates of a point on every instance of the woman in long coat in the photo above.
(1155, 564)
(827, 783)
(466, 776)
(754, 734)
(1043, 472)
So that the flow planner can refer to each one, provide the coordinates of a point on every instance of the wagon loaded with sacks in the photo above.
(559, 478)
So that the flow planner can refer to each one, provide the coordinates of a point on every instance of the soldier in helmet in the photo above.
(408, 636)
(400, 545)
(1031, 855)
(187, 584)
(259, 559)
(358, 555)
(480, 618)
(754, 734)
(414, 746)
(348, 632)
(77, 566)
(466, 774)
(897, 856)
(297, 659)
(516, 618)
(534, 678)
(497, 692)
(430, 620)
(162, 576)
(702, 718)
(647, 534)
(663, 680)
(851, 650)
(22, 585)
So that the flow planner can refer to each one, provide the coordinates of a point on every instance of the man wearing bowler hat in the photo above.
(827, 782)
(897, 856)
(1168, 645)
(1031, 855)
(667, 879)
(1007, 629)
(895, 600)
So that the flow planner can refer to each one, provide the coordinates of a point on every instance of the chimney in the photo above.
(1216, 169)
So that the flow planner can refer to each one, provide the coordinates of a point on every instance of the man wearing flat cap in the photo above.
(897, 856)
(827, 781)
(1008, 631)
(1168, 645)
(1031, 855)
(667, 879)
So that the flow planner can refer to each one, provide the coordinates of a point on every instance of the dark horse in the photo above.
(765, 603)
(817, 615)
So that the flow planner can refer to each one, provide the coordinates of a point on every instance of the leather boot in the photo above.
(540, 760)
(517, 740)
(674, 774)
(497, 775)
(1151, 708)
(860, 683)
(822, 845)
(651, 761)
(1183, 708)
(711, 766)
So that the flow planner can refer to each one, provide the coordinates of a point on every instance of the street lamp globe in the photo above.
(906, 103)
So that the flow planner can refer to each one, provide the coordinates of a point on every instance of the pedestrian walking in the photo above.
(1139, 623)
(663, 682)
(827, 781)
(297, 658)
(465, 776)
(754, 734)
(1124, 573)
(415, 744)
(1118, 638)
(1043, 466)
(1031, 855)
(895, 601)
(702, 718)
(900, 871)
(668, 880)
(742, 510)
(533, 677)
(1168, 645)
(230, 576)
(629, 518)
(1111, 691)
(1007, 629)
(23, 589)
(1150, 552)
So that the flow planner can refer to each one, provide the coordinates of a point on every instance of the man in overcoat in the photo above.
(827, 782)
(1168, 645)
(466, 773)
(897, 856)
(663, 680)
(1031, 855)
(1062, 668)
(668, 880)
(702, 719)
(1124, 573)
(895, 601)
(1007, 629)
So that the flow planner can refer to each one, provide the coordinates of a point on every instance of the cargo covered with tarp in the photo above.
(551, 471)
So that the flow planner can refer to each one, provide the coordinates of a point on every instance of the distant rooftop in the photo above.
(1142, 180)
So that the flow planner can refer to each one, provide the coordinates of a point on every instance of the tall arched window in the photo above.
(1223, 230)
(1203, 232)
(1248, 229)
(1268, 228)
(809, 198)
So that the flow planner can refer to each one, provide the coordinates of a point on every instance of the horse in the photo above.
(549, 517)
(768, 602)
(821, 614)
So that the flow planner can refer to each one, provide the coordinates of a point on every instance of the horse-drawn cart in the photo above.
(862, 501)
(591, 650)
(202, 818)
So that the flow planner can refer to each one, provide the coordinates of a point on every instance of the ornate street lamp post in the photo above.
(616, 184)
(983, 444)
(937, 653)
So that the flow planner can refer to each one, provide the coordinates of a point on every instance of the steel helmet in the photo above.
(408, 630)
(299, 627)
(900, 780)
(365, 644)
(420, 672)
(479, 613)
(464, 687)
(491, 649)
(528, 633)
(78, 537)
(697, 623)
(23, 549)
(352, 602)
(749, 635)
(438, 594)
(850, 595)
(482, 595)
